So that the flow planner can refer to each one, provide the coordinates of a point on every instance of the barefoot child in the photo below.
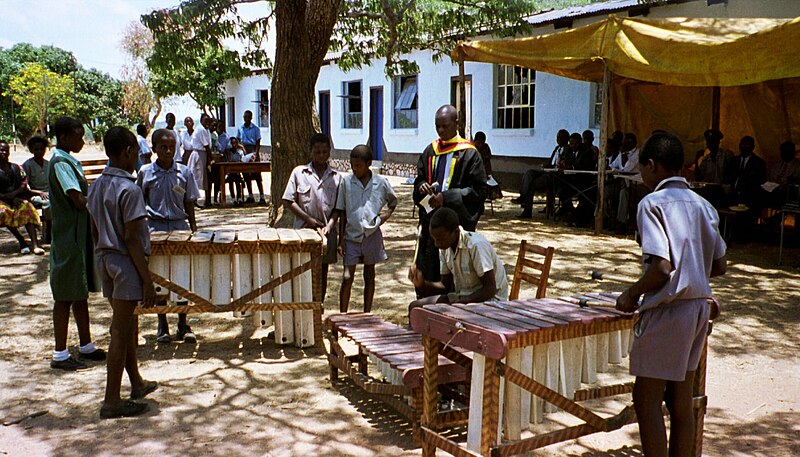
(72, 273)
(681, 249)
(119, 227)
(311, 196)
(362, 196)
(170, 193)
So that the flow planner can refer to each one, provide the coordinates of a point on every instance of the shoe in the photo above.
(70, 364)
(163, 338)
(147, 388)
(25, 251)
(186, 335)
(97, 355)
(250, 200)
(525, 214)
(262, 202)
(237, 203)
(38, 251)
(125, 409)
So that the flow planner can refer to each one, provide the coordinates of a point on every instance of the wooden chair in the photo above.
(542, 269)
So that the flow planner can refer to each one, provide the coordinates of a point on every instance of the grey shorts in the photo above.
(120, 279)
(669, 339)
(369, 251)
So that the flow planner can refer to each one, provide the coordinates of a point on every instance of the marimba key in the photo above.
(222, 250)
(201, 263)
(243, 274)
(267, 240)
(180, 263)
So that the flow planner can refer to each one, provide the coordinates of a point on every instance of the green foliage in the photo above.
(98, 98)
(41, 94)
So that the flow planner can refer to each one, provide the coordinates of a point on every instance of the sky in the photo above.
(90, 29)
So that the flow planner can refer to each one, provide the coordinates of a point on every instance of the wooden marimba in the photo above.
(522, 350)
(271, 273)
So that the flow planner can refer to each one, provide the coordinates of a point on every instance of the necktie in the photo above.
(624, 158)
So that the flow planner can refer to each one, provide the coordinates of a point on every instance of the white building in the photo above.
(519, 110)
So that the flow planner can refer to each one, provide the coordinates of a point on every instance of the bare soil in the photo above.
(237, 393)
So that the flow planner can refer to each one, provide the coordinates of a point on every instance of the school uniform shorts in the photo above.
(369, 251)
(119, 277)
(669, 339)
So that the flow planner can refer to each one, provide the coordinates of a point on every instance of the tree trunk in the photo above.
(303, 33)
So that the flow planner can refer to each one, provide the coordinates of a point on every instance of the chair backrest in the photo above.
(541, 268)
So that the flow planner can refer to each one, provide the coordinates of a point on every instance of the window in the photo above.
(262, 99)
(231, 111)
(515, 97)
(596, 105)
(405, 102)
(351, 105)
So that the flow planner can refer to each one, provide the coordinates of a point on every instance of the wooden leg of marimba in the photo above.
(512, 399)
(700, 399)
(334, 373)
(430, 389)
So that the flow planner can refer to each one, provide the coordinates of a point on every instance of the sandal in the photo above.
(25, 251)
(126, 408)
(38, 251)
(147, 388)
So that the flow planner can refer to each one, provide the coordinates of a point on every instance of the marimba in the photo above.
(259, 271)
(526, 353)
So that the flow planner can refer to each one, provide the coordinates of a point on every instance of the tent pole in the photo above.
(601, 159)
(462, 96)
(715, 96)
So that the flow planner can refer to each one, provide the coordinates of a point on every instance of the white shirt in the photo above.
(186, 140)
(680, 226)
(144, 148)
(362, 204)
(200, 139)
(473, 257)
(631, 166)
(178, 155)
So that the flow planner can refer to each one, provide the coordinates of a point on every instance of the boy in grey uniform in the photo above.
(681, 248)
(122, 242)
(170, 193)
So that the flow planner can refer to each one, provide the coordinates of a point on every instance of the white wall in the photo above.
(245, 92)
(560, 102)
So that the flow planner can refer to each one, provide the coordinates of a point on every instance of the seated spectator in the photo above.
(16, 210)
(36, 170)
(538, 180)
(486, 155)
(785, 172)
(745, 175)
(630, 191)
(627, 161)
(235, 153)
(588, 139)
(711, 162)
(471, 271)
(611, 156)
(586, 184)
(145, 152)
(569, 185)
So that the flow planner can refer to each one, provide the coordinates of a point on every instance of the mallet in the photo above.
(600, 276)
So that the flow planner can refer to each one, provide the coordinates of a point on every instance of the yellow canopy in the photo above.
(673, 51)
(664, 72)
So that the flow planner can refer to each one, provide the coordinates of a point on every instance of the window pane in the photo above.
(501, 75)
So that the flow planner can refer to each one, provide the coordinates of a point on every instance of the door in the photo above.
(455, 100)
(325, 112)
(376, 122)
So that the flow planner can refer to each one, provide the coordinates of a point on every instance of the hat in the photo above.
(711, 134)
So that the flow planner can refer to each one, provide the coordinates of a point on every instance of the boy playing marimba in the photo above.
(119, 228)
(681, 249)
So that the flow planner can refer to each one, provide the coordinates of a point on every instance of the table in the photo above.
(784, 210)
(509, 339)
(224, 168)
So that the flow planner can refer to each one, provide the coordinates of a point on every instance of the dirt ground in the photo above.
(237, 393)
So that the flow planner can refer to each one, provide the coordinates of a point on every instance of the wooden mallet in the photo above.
(600, 276)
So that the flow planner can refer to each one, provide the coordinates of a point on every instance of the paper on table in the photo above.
(770, 186)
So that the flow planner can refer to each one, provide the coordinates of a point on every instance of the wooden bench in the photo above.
(92, 169)
(397, 353)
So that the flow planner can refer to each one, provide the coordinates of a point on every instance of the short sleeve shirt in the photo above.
(186, 140)
(473, 257)
(37, 175)
(223, 142)
(144, 148)
(177, 157)
(678, 225)
(11, 180)
(362, 204)
(166, 192)
(64, 172)
(314, 194)
(249, 135)
(115, 200)
(200, 139)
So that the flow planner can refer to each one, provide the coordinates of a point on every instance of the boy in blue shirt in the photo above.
(122, 242)
(681, 248)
